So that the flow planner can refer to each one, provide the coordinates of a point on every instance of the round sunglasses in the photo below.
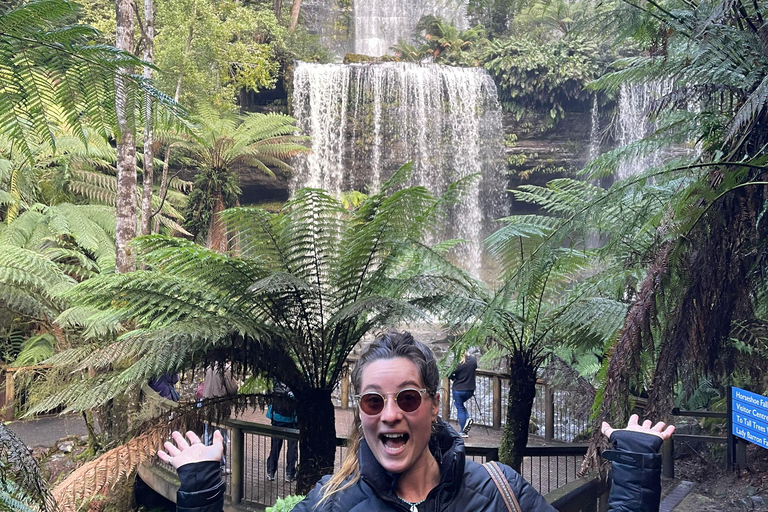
(372, 402)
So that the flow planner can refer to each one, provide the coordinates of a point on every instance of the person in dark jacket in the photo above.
(165, 385)
(402, 457)
(282, 413)
(464, 384)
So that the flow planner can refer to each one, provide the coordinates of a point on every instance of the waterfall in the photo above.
(594, 133)
(635, 102)
(367, 120)
(380, 24)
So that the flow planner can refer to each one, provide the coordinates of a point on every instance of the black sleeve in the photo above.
(636, 472)
(201, 489)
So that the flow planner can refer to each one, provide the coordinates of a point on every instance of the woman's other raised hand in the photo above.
(660, 429)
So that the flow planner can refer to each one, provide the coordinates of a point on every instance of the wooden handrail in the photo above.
(581, 494)
(699, 414)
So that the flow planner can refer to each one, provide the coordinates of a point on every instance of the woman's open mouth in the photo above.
(394, 443)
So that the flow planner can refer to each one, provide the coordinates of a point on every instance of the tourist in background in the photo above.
(463, 388)
(218, 381)
(402, 457)
(165, 386)
(282, 413)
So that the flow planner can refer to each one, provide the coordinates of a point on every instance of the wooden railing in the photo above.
(550, 469)
(487, 408)
(8, 404)
(489, 405)
(736, 449)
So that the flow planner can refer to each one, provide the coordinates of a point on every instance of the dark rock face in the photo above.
(257, 187)
(537, 158)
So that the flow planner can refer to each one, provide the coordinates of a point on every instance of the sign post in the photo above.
(748, 417)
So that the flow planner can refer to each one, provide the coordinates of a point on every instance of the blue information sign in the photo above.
(750, 416)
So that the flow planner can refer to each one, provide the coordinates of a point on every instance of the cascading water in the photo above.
(367, 120)
(635, 101)
(594, 133)
(379, 25)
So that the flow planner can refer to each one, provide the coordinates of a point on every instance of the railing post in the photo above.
(668, 458)
(238, 463)
(496, 402)
(549, 413)
(345, 387)
(10, 411)
(446, 405)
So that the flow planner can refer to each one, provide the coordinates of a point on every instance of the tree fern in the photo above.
(304, 287)
(224, 145)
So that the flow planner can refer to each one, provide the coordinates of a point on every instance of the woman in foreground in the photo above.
(405, 458)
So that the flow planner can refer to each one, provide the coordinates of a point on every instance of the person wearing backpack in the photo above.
(282, 413)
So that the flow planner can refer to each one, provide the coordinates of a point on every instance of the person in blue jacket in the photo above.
(282, 413)
(404, 458)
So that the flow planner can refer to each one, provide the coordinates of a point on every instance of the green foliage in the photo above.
(301, 45)
(21, 487)
(52, 74)
(497, 15)
(441, 41)
(254, 384)
(285, 504)
(352, 199)
(553, 19)
(35, 350)
(536, 79)
(681, 242)
(233, 46)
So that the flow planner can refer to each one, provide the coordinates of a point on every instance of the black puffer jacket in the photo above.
(464, 485)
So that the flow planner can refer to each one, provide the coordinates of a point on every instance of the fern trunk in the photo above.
(217, 231)
(522, 391)
(317, 423)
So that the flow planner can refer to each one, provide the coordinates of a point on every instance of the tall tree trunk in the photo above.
(295, 8)
(217, 232)
(522, 391)
(317, 424)
(277, 6)
(126, 148)
(164, 179)
(149, 151)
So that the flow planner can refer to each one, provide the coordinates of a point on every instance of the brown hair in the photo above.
(386, 346)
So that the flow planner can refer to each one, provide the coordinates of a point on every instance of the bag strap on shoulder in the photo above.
(497, 475)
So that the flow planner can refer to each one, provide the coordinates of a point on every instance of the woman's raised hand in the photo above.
(660, 429)
(193, 451)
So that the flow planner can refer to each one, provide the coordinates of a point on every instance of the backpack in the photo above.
(283, 402)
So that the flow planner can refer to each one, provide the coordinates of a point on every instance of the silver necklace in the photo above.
(414, 506)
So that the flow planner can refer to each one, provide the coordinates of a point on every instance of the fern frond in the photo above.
(22, 487)
(98, 476)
